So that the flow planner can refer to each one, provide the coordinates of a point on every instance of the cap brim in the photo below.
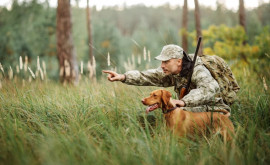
(162, 58)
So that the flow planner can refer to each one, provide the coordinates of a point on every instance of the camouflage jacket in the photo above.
(204, 89)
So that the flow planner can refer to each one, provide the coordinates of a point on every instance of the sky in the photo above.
(230, 4)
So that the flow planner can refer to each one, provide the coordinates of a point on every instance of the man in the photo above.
(204, 94)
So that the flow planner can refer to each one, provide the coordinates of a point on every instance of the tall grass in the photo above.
(97, 123)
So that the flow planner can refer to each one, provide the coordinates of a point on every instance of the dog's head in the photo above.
(157, 99)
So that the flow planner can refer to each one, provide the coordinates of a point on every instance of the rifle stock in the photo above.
(184, 90)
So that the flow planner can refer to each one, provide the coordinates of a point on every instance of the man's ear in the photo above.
(166, 95)
(179, 62)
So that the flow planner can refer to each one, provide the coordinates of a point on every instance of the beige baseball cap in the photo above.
(170, 51)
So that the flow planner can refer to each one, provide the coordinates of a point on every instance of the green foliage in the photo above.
(28, 28)
(227, 42)
(261, 60)
(106, 41)
(263, 42)
(263, 13)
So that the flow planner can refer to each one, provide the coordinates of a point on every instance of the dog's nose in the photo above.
(143, 101)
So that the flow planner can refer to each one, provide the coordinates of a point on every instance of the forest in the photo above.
(57, 106)
(29, 29)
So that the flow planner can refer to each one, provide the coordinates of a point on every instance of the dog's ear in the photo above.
(166, 95)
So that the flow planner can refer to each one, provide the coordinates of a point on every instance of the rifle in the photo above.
(184, 90)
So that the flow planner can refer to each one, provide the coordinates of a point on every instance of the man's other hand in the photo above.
(178, 103)
(113, 76)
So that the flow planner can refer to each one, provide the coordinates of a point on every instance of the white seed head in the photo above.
(264, 84)
(1, 67)
(30, 79)
(38, 63)
(91, 71)
(17, 69)
(41, 74)
(149, 56)
(10, 73)
(128, 65)
(109, 59)
(26, 59)
(25, 63)
(67, 68)
(94, 61)
(21, 63)
(144, 53)
(94, 65)
(88, 65)
(67, 71)
(244, 70)
(61, 71)
(44, 67)
(81, 67)
(32, 73)
(37, 73)
(139, 59)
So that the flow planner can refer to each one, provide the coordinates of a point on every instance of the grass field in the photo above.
(47, 123)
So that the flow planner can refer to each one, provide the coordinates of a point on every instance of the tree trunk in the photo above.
(242, 17)
(90, 40)
(198, 25)
(89, 30)
(242, 22)
(184, 26)
(65, 49)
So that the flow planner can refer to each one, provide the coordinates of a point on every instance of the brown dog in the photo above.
(185, 123)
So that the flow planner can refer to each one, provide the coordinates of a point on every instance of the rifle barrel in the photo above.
(193, 62)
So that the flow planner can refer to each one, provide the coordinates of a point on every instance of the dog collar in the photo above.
(169, 110)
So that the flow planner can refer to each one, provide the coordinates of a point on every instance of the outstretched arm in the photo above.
(113, 76)
(151, 77)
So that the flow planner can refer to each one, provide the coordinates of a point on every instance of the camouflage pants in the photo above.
(206, 108)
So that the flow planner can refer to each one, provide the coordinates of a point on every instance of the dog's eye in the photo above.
(154, 95)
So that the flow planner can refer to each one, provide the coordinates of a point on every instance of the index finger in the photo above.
(107, 71)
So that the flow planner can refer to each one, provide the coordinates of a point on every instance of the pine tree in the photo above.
(65, 49)
(198, 25)
(184, 26)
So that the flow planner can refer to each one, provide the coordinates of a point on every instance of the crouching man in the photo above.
(204, 94)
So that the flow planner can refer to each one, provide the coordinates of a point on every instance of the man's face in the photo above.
(172, 66)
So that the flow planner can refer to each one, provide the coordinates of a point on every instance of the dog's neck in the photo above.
(169, 106)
